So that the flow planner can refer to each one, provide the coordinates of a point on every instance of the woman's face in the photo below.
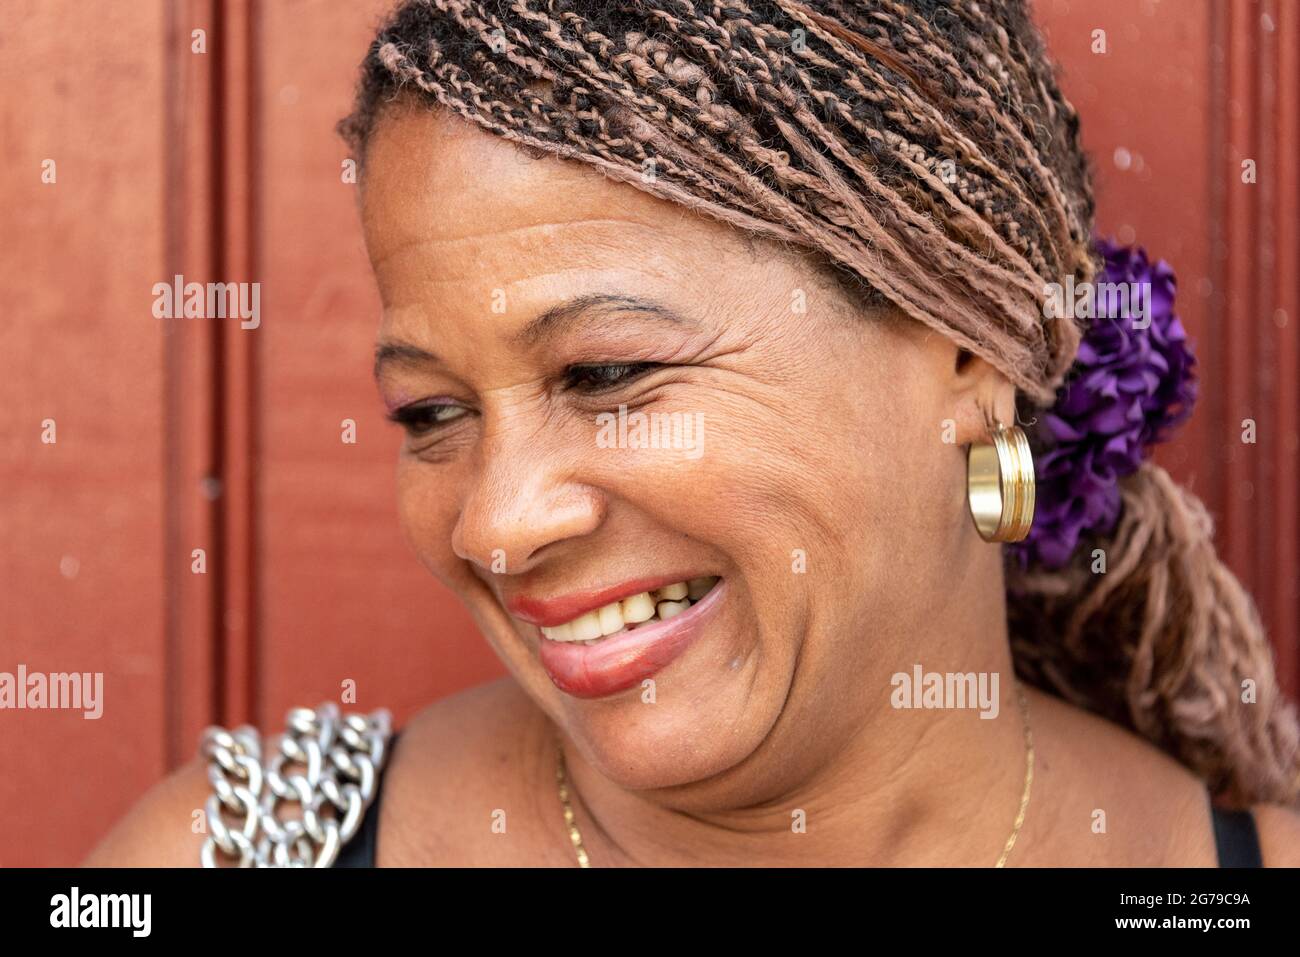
(801, 457)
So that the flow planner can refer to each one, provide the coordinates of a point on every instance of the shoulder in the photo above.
(470, 734)
(465, 769)
(1279, 834)
(160, 830)
(478, 715)
(1153, 793)
(455, 755)
(1111, 797)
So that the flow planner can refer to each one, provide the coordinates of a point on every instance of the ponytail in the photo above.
(1151, 630)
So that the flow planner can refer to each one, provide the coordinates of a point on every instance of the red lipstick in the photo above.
(624, 660)
(549, 612)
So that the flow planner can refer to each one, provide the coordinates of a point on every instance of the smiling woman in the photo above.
(824, 232)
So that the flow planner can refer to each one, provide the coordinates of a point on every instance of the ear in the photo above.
(980, 395)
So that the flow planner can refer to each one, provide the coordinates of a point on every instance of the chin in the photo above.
(660, 702)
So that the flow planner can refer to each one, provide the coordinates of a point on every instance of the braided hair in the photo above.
(922, 151)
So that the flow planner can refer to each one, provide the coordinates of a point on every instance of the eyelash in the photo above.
(594, 379)
(419, 418)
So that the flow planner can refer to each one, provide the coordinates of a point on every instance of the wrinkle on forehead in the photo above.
(433, 177)
(586, 229)
(453, 214)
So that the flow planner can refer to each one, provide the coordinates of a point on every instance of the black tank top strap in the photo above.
(361, 850)
(1235, 838)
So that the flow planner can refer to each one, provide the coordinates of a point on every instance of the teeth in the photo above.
(667, 609)
(638, 608)
(673, 592)
(661, 604)
(586, 627)
(697, 587)
(611, 619)
(559, 632)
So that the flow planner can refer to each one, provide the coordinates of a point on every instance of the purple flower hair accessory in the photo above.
(1131, 384)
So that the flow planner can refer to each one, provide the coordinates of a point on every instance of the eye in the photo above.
(420, 418)
(600, 378)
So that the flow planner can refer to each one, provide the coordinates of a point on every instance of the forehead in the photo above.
(433, 178)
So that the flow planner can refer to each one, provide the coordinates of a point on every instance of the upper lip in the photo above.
(549, 612)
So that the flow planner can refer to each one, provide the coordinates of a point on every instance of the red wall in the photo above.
(174, 435)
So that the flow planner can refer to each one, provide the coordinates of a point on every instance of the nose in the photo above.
(523, 498)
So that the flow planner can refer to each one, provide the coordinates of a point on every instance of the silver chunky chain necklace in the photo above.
(342, 757)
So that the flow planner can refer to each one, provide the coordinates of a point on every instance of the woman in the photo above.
(706, 360)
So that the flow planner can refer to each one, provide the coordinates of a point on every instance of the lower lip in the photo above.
(624, 660)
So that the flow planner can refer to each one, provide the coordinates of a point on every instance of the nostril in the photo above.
(510, 532)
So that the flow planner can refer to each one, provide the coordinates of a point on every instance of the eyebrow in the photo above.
(555, 319)
(402, 352)
(550, 322)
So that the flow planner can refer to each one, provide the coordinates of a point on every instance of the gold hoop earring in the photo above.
(1000, 485)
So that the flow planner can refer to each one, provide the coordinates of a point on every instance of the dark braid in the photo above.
(922, 150)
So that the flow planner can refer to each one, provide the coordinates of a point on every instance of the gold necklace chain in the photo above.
(575, 836)
(1029, 775)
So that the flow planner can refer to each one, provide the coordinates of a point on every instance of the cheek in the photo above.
(905, 507)
(867, 477)
(427, 511)
(772, 493)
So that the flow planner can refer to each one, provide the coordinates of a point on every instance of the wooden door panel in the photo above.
(173, 436)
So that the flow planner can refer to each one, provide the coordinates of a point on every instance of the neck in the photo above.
(902, 786)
